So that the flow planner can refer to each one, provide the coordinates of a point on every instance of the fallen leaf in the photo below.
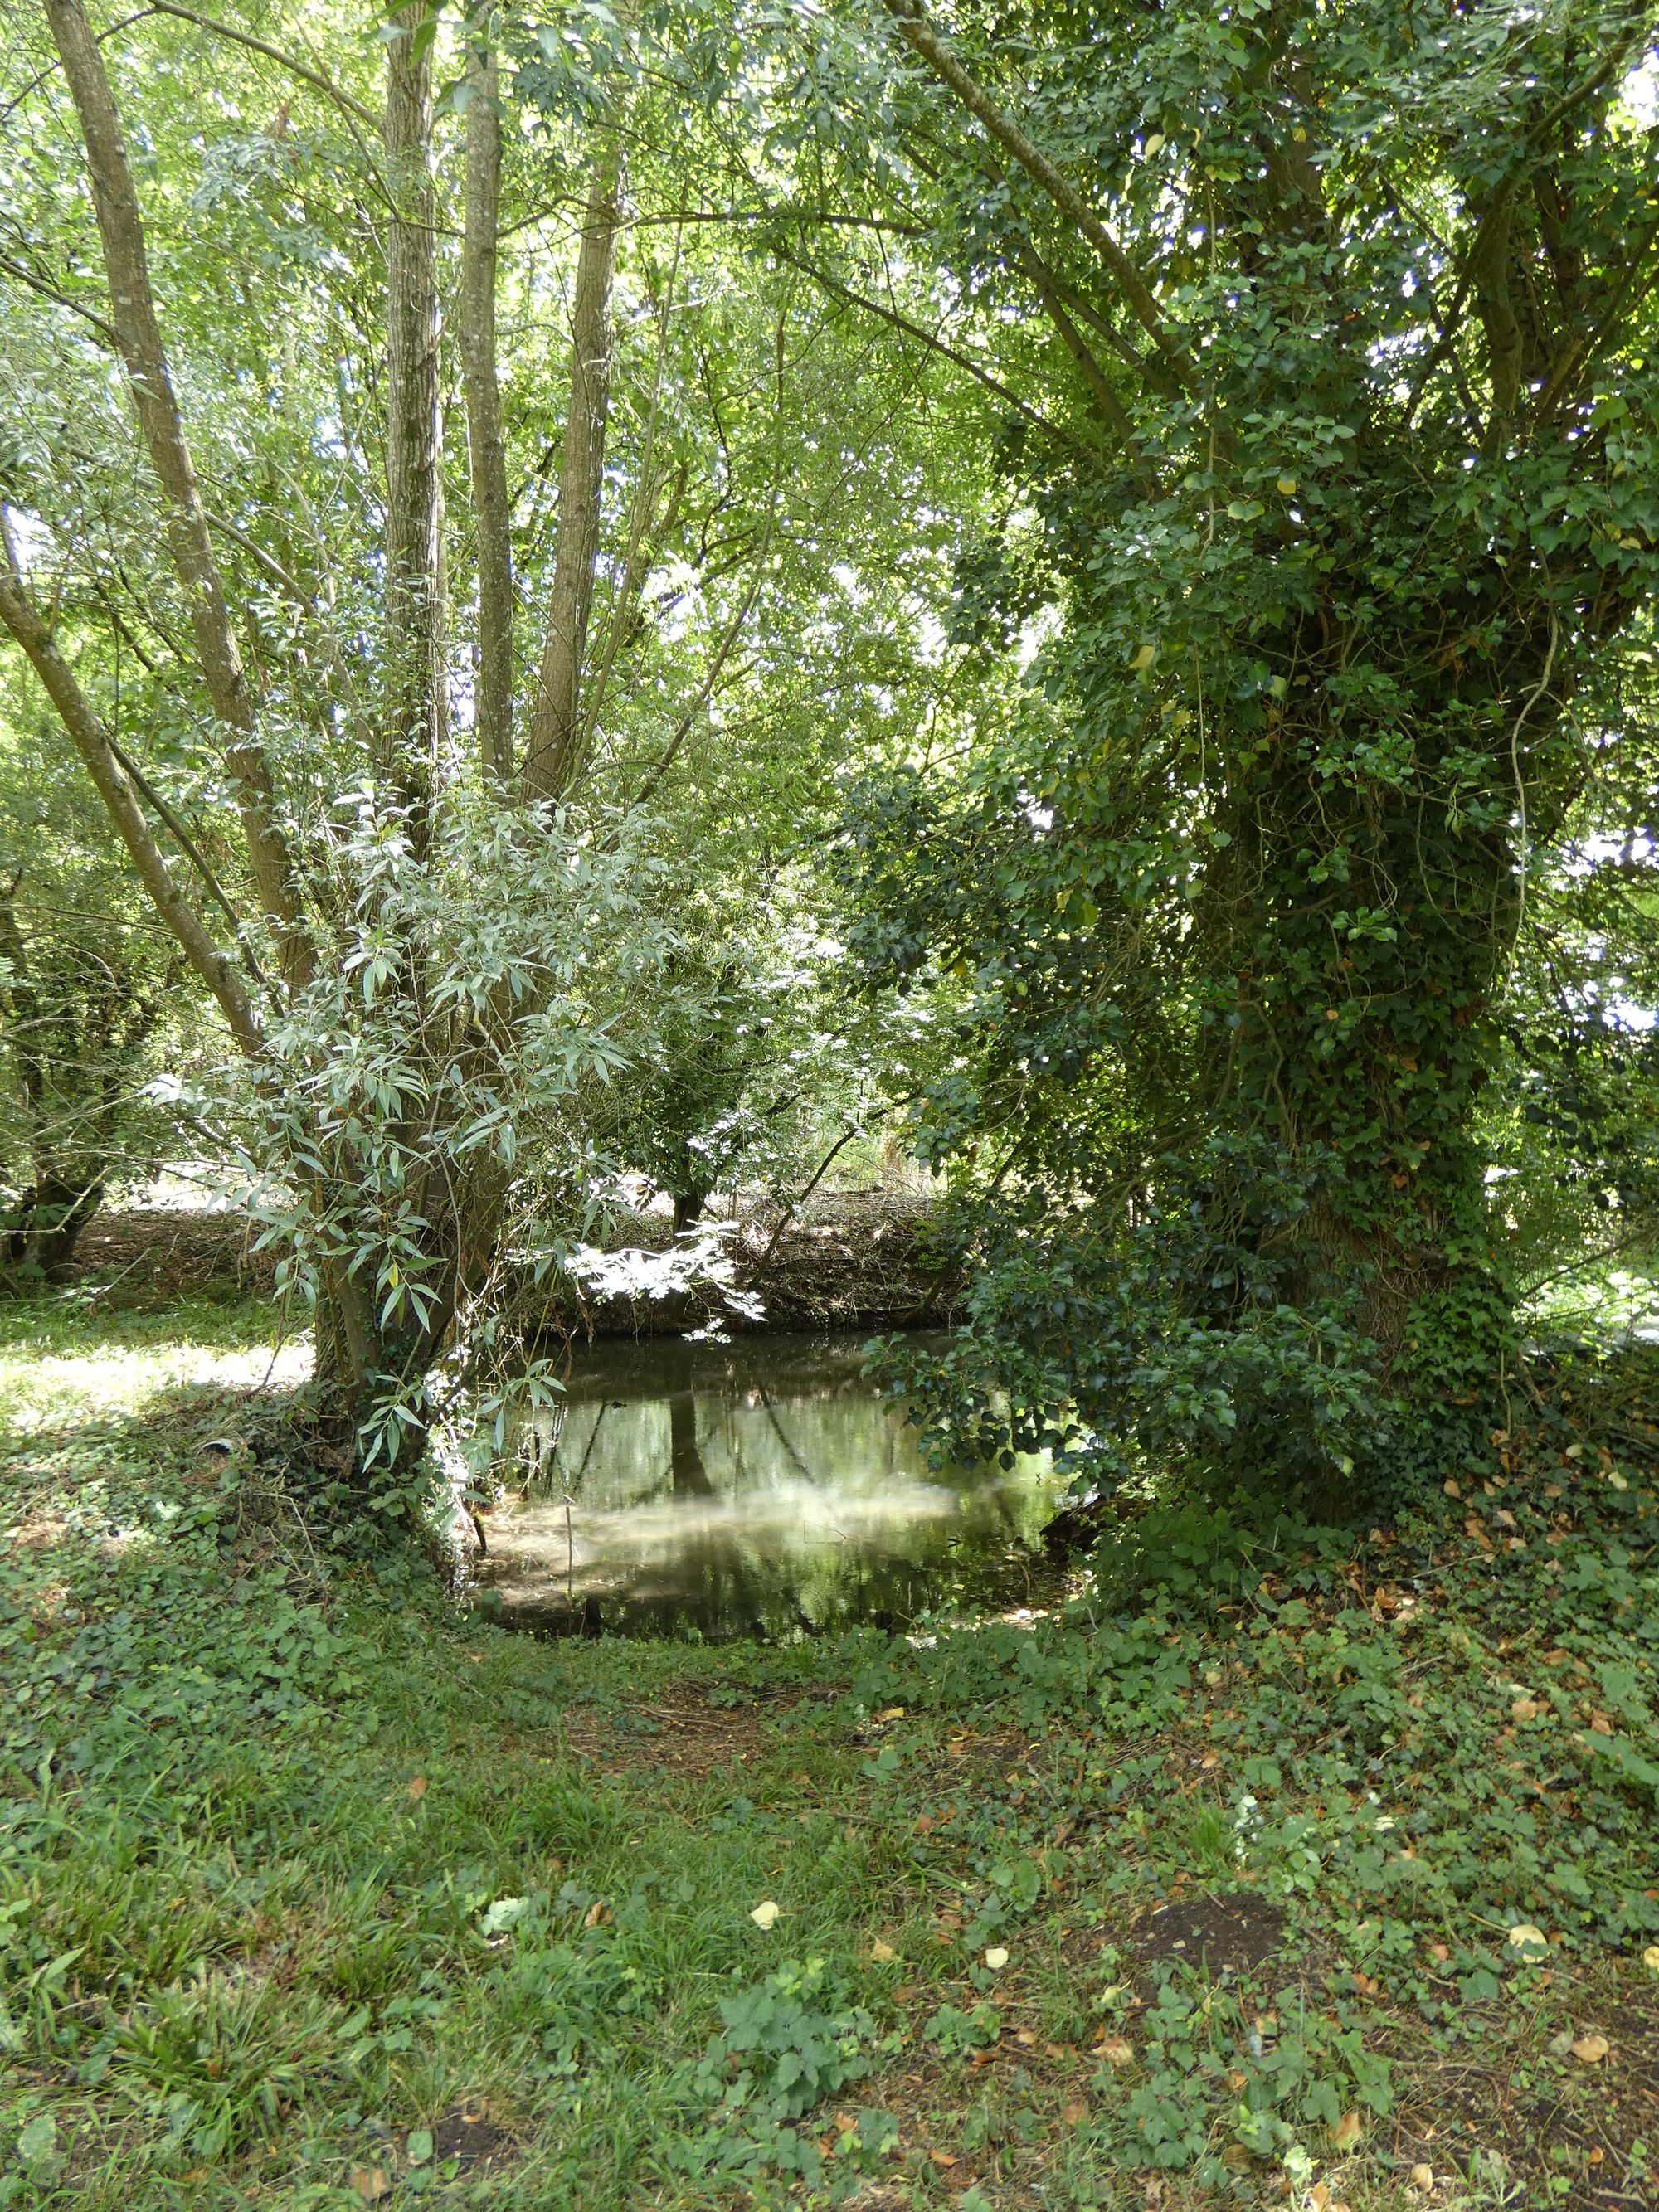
(891, 1713)
(1027, 2036)
(597, 1914)
(370, 2182)
(417, 1787)
(883, 1954)
(1451, 1488)
(1523, 1936)
(942, 2157)
(847, 2122)
(1116, 2052)
(1319, 2196)
(1348, 2131)
(1590, 2050)
(1596, 2153)
(1422, 2176)
(765, 1914)
(996, 1958)
(1651, 1958)
(1526, 1709)
(1074, 2114)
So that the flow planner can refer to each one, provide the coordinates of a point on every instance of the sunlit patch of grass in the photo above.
(64, 1360)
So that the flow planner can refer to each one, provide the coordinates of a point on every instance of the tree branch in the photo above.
(919, 34)
(90, 740)
(126, 269)
(486, 454)
(552, 758)
(897, 321)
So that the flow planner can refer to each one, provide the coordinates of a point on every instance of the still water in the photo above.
(758, 1488)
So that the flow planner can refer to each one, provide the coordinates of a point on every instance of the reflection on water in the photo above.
(759, 1488)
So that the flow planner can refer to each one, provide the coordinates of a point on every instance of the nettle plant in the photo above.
(1337, 477)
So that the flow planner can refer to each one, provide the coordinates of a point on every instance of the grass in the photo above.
(315, 1891)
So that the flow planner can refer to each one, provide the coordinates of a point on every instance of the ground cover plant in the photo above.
(1288, 1864)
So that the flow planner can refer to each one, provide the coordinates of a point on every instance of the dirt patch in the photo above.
(684, 1734)
(1216, 1936)
(472, 2139)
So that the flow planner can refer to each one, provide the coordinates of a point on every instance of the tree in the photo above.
(1341, 489)
(455, 641)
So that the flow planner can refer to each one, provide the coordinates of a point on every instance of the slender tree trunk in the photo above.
(552, 761)
(415, 708)
(486, 453)
(211, 962)
(37, 1237)
(132, 312)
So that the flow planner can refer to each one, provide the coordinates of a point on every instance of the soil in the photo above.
(1218, 1934)
(471, 2140)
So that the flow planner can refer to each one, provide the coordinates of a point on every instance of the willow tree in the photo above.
(1339, 471)
(427, 525)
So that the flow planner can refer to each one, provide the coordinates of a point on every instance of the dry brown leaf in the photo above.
(942, 2157)
(1590, 2049)
(417, 1787)
(1116, 2052)
(765, 1914)
(370, 2182)
(1074, 2114)
(1348, 2131)
(1422, 2176)
(1526, 1709)
(883, 1954)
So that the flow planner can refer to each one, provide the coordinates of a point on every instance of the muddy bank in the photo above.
(849, 1260)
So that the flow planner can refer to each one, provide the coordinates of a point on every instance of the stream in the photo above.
(762, 1488)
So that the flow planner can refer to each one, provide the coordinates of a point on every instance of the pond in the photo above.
(763, 1487)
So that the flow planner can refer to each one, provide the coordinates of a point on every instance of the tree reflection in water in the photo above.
(761, 1488)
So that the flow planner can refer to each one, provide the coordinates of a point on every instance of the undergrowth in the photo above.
(315, 1890)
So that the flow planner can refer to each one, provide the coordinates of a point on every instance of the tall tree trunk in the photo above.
(486, 455)
(149, 382)
(553, 758)
(415, 707)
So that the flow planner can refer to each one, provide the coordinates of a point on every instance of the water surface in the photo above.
(759, 1488)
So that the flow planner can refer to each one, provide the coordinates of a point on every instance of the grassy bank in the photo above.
(1297, 1867)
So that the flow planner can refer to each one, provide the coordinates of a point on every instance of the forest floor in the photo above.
(845, 1260)
(1322, 1871)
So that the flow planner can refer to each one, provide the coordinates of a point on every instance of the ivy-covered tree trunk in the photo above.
(1340, 467)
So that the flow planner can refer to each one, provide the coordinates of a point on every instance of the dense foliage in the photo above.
(1344, 511)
